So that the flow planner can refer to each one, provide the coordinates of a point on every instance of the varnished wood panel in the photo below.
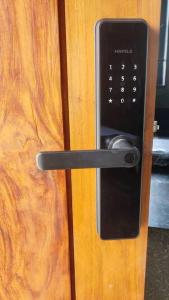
(104, 270)
(34, 251)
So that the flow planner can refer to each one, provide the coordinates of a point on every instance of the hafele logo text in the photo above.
(123, 51)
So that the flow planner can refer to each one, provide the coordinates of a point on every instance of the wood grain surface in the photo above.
(34, 251)
(104, 270)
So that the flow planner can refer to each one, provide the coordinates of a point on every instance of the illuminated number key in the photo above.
(122, 89)
(134, 89)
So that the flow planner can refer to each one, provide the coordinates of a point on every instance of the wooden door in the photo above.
(104, 270)
(34, 243)
(47, 85)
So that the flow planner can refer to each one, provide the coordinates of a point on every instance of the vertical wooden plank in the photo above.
(104, 269)
(34, 247)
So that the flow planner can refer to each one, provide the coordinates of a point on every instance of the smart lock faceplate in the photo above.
(121, 51)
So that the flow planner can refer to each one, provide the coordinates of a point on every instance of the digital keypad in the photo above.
(122, 87)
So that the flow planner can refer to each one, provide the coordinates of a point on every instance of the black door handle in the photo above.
(120, 154)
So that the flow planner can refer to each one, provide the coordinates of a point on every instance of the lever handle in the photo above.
(121, 155)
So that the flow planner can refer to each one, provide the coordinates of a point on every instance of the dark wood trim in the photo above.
(66, 129)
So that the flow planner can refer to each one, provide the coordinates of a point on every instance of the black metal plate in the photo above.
(121, 50)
